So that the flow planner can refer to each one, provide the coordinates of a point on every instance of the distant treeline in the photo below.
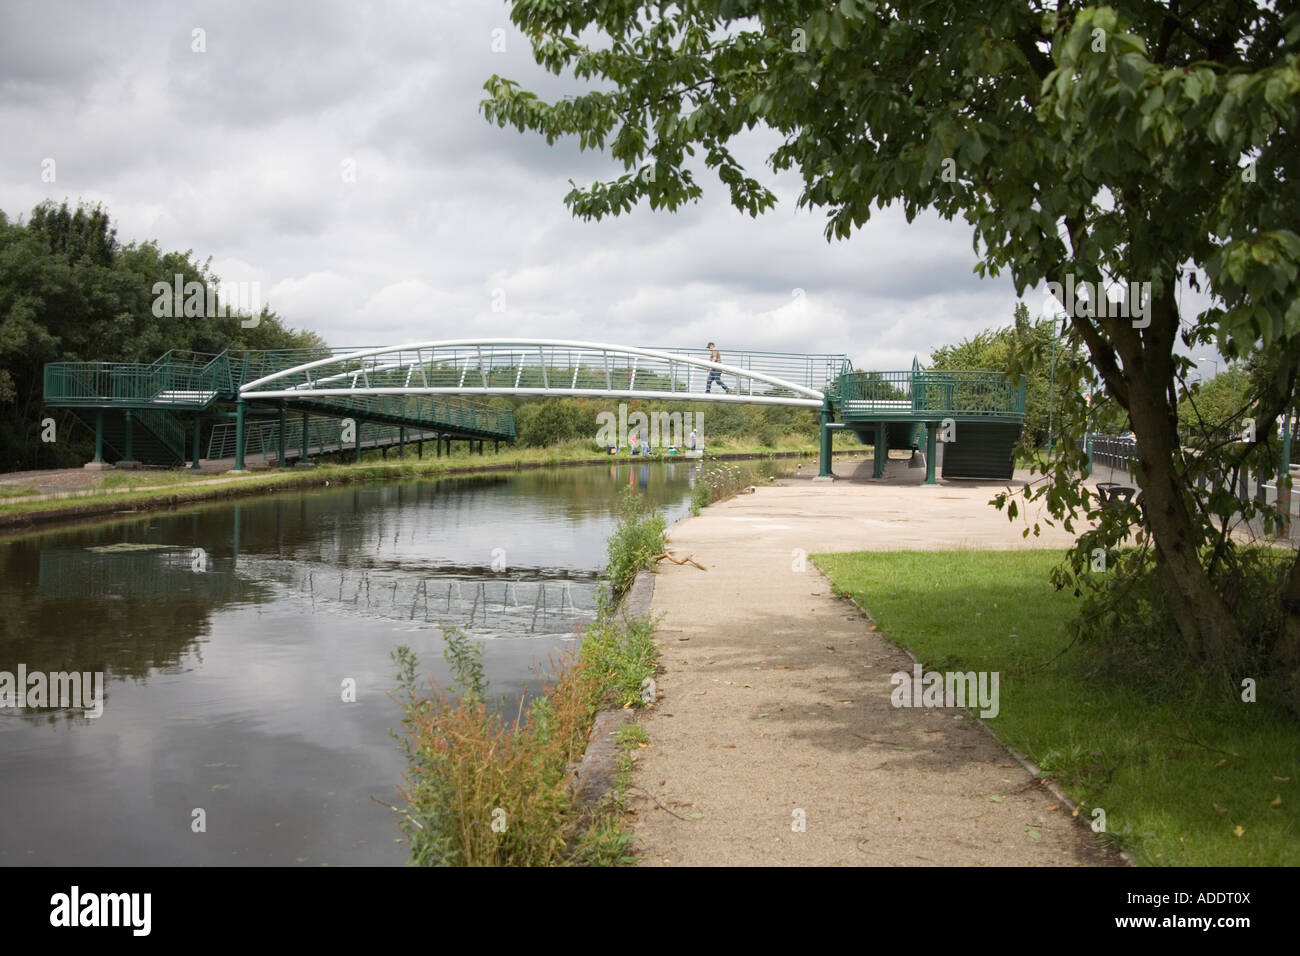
(70, 292)
(549, 422)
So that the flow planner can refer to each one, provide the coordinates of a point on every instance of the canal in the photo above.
(246, 657)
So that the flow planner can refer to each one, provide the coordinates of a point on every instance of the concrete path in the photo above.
(776, 708)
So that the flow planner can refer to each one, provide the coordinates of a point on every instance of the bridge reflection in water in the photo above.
(523, 601)
(514, 603)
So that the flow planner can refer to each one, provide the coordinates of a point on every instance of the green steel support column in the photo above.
(881, 450)
(931, 445)
(198, 431)
(438, 442)
(496, 446)
(304, 459)
(824, 464)
(239, 435)
(99, 435)
(420, 450)
(401, 442)
(129, 439)
(280, 463)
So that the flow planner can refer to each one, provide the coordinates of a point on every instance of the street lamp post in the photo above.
(1215, 361)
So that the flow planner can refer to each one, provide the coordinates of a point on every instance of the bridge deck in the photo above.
(424, 386)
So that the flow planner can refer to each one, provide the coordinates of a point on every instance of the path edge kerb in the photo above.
(1034, 771)
(598, 768)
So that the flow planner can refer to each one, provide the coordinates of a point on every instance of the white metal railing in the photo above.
(557, 367)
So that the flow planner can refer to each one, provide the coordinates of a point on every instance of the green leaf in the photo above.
(1130, 70)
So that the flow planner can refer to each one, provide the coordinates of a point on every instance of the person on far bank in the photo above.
(692, 439)
(715, 375)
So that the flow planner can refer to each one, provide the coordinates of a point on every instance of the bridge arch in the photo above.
(554, 367)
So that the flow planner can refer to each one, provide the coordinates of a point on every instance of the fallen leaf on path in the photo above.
(995, 797)
(1277, 802)
(1238, 831)
(1282, 779)
(1219, 809)
(1053, 808)
(1221, 762)
(1033, 834)
(728, 746)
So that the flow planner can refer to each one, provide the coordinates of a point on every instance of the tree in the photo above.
(1140, 143)
(69, 291)
(1055, 362)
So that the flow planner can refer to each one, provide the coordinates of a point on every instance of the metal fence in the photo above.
(930, 394)
(324, 435)
(1120, 454)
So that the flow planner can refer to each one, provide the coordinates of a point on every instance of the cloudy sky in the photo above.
(242, 152)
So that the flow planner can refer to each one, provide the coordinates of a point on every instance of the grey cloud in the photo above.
(236, 153)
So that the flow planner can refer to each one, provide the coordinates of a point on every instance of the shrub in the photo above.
(716, 481)
(486, 789)
(637, 539)
(1127, 626)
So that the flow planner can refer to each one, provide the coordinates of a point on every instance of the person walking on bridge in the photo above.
(715, 375)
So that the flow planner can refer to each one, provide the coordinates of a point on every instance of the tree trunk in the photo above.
(1203, 618)
(1143, 385)
(1286, 654)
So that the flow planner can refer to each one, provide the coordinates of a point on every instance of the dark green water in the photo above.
(226, 636)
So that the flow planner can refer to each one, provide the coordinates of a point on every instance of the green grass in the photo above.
(1177, 766)
(636, 540)
(18, 491)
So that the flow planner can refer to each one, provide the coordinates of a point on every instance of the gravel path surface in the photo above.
(775, 741)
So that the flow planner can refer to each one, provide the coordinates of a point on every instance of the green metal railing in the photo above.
(165, 426)
(928, 394)
(324, 435)
(189, 380)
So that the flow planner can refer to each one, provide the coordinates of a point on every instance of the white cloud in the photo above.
(237, 154)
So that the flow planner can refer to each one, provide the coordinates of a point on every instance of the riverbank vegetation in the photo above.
(487, 787)
(1188, 767)
(148, 489)
(717, 481)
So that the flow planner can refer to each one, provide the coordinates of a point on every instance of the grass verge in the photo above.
(1186, 773)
